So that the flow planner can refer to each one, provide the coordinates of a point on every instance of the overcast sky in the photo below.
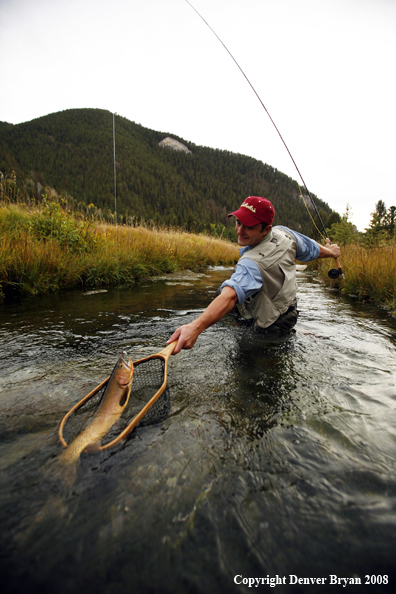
(324, 69)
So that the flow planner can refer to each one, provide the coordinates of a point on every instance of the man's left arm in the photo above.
(308, 249)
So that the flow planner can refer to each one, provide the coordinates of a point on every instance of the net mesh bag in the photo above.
(148, 377)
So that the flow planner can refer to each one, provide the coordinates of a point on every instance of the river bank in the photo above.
(370, 274)
(44, 249)
(47, 249)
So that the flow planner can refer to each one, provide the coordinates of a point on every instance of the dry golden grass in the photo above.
(370, 273)
(172, 249)
(35, 259)
(106, 255)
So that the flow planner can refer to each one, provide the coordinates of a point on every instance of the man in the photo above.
(263, 285)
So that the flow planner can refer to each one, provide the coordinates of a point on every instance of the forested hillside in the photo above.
(72, 152)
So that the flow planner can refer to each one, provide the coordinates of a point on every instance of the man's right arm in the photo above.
(187, 334)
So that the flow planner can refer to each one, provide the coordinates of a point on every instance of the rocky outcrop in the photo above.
(171, 143)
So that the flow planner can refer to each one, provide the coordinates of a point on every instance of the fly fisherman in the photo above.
(263, 286)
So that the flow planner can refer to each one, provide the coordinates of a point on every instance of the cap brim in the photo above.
(245, 216)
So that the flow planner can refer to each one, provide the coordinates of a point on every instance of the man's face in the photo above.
(250, 236)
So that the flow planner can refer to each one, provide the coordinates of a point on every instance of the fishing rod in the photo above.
(334, 273)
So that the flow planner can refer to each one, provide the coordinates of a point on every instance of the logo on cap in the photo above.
(249, 206)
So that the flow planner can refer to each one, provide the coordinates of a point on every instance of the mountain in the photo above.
(72, 152)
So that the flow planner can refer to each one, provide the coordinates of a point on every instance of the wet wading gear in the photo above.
(275, 258)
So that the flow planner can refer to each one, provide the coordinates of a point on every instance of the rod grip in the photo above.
(338, 264)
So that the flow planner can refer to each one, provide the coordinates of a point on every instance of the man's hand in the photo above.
(186, 336)
(330, 250)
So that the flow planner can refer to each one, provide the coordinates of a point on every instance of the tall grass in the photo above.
(370, 273)
(47, 249)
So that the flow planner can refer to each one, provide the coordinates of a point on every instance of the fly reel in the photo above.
(333, 273)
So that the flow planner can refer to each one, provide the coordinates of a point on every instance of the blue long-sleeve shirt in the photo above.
(247, 280)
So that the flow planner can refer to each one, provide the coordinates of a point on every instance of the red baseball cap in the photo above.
(255, 210)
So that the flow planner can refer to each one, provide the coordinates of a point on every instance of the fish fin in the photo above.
(92, 448)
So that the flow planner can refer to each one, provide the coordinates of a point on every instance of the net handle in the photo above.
(165, 353)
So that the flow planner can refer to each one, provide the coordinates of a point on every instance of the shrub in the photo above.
(51, 222)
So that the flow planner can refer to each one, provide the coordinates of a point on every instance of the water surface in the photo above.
(277, 458)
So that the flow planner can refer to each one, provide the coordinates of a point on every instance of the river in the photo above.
(276, 461)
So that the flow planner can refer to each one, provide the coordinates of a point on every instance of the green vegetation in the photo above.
(370, 273)
(368, 259)
(46, 249)
(72, 152)
(57, 200)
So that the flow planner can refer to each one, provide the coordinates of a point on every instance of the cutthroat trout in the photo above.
(113, 404)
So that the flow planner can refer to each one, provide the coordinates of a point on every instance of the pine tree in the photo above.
(343, 232)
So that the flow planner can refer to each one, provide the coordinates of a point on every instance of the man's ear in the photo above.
(267, 230)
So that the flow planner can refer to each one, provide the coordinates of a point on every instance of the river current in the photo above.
(277, 460)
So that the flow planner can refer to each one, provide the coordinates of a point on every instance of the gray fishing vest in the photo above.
(276, 261)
